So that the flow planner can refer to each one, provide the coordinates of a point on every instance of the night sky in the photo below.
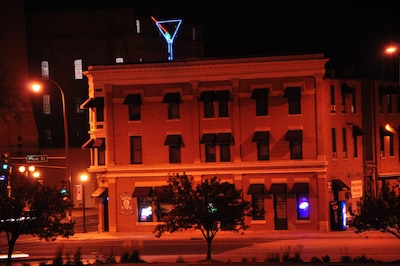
(351, 36)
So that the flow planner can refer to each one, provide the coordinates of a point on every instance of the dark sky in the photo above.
(349, 35)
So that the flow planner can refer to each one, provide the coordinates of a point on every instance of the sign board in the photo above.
(356, 189)
(36, 158)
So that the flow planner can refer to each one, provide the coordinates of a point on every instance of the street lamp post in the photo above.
(36, 87)
(84, 178)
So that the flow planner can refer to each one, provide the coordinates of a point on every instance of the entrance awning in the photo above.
(133, 99)
(261, 136)
(174, 140)
(300, 188)
(256, 189)
(93, 102)
(142, 192)
(339, 185)
(208, 138)
(294, 135)
(100, 192)
(278, 188)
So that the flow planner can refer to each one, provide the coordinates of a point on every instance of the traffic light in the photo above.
(64, 191)
(5, 166)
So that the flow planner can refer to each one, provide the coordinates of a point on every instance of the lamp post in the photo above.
(31, 169)
(37, 87)
(393, 49)
(84, 178)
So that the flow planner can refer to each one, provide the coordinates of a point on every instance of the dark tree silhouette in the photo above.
(28, 207)
(381, 214)
(211, 206)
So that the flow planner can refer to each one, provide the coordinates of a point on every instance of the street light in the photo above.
(393, 49)
(84, 178)
(31, 169)
(37, 87)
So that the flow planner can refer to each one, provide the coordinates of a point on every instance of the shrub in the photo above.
(326, 258)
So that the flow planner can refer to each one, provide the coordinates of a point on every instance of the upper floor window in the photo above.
(334, 151)
(175, 142)
(346, 90)
(386, 134)
(333, 106)
(221, 97)
(293, 94)
(78, 69)
(45, 69)
(137, 23)
(209, 146)
(357, 131)
(136, 149)
(261, 98)
(134, 101)
(224, 140)
(208, 97)
(173, 99)
(46, 105)
(262, 140)
(344, 140)
(119, 60)
(295, 138)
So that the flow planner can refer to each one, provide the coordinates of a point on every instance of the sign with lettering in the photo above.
(36, 158)
(356, 189)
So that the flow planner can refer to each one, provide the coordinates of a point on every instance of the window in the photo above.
(346, 89)
(262, 140)
(344, 136)
(384, 134)
(333, 106)
(295, 138)
(134, 101)
(223, 97)
(46, 105)
(175, 143)
(225, 140)
(173, 100)
(334, 143)
(209, 145)
(303, 206)
(357, 131)
(293, 94)
(145, 209)
(98, 104)
(99, 145)
(261, 98)
(45, 69)
(78, 69)
(353, 104)
(137, 26)
(193, 33)
(48, 140)
(207, 97)
(119, 60)
(257, 192)
(136, 149)
(302, 200)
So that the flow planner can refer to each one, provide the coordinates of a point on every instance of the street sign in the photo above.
(36, 158)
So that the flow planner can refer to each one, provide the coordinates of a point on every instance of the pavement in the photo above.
(307, 243)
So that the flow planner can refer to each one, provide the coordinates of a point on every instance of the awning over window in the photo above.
(261, 136)
(357, 131)
(208, 138)
(93, 102)
(224, 138)
(294, 135)
(256, 189)
(386, 90)
(88, 144)
(142, 192)
(300, 188)
(207, 96)
(172, 97)
(173, 140)
(223, 95)
(259, 93)
(338, 184)
(278, 188)
(133, 99)
(292, 92)
(347, 89)
(99, 143)
(100, 192)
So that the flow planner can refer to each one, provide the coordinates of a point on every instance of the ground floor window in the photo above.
(303, 206)
(145, 209)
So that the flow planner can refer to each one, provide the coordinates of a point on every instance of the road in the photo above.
(226, 246)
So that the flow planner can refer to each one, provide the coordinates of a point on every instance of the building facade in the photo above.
(275, 127)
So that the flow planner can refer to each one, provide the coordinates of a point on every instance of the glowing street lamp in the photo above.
(36, 88)
(31, 169)
(84, 178)
(394, 49)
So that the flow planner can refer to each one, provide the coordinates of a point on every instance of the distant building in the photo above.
(292, 139)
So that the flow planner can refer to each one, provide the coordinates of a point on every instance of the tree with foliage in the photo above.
(28, 207)
(382, 213)
(211, 206)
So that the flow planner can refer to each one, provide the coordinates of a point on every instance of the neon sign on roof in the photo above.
(169, 38)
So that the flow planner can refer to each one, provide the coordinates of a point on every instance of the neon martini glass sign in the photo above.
(167, 35)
